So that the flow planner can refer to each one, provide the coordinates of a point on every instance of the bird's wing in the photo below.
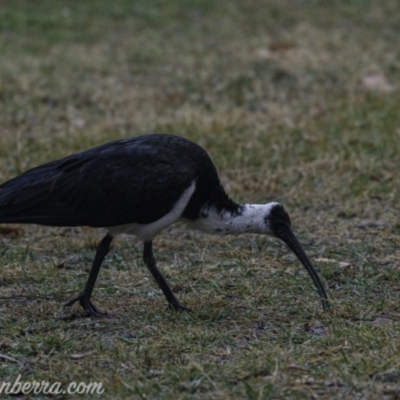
(106, 186)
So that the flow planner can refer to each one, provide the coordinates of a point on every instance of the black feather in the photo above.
(135, 180)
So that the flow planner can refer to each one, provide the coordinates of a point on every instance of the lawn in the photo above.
(296, 102)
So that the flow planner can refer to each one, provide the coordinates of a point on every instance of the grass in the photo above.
(275, 91)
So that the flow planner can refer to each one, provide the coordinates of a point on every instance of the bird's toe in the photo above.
(86, 304)
(179, 307)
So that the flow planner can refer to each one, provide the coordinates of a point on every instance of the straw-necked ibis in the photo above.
(140, 186)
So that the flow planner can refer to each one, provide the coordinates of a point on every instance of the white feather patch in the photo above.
(252, 219)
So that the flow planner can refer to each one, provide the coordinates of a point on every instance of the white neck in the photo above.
(251, 219)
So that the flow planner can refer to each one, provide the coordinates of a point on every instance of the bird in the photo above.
(139, 186)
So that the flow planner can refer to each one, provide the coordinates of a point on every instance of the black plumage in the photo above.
(129, 185)
(134, 180)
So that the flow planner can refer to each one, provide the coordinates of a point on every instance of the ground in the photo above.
(296, 102)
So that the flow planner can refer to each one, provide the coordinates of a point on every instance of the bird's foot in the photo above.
(84, 301)
(179, 307)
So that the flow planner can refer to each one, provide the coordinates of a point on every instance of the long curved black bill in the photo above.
(291, 241)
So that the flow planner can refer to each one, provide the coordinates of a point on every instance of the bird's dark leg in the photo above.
(150, 262)
(84, 297)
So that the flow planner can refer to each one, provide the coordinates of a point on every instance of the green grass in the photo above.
(274, 91)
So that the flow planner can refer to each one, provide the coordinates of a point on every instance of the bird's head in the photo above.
(278, 224)
(277, 220)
